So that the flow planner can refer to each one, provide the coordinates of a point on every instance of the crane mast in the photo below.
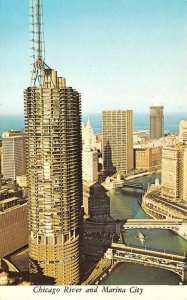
(37, 43)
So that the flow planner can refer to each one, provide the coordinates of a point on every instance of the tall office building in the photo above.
(88, 137)
(174, 173)
(89, 155)
(117, 141)
(13, 154)
(183, 131)
(185, 175)
(89, 165)
(156, 122)
(54, 179)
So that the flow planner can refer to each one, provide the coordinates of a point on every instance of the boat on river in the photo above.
(141, 237)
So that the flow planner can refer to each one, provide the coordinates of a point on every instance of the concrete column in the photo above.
(184, 277)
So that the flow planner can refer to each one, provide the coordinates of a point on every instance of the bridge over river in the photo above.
(148, 257)
(176, 225)
(135, 186)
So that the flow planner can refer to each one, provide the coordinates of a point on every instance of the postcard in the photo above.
(93, 149)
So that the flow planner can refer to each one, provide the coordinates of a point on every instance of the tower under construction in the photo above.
(54, 175)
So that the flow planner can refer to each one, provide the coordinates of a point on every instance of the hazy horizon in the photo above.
(140, 121)
(117, 53)
(100, 112)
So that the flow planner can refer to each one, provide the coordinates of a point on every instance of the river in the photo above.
(126, 205)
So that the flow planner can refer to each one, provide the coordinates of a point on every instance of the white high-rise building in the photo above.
(88, 137)
(183, 131)
(89, 154)
(185, 176)
(13, 154)
(89, 165)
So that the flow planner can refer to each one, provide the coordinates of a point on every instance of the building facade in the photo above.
(185, 175)
(96, 202)
(88, 137)
(22, 181)
(0, 160)
(54, 179)
(99, 142)
(89, 154)
(117, 141)
(156, 122)
(89, 164)
(13, 154)
(148, 158)
(183, 131)
(174, 170)
(13, 219)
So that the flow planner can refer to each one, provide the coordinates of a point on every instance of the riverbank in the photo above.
(107, 273)
(125, 205)
(136, 274)
(141, 174)
(158, 208)
(161, 207)
(100, 271)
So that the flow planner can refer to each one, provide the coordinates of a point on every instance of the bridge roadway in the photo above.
(149, 257)
(153, 223)
(135, 186)
(101, 268)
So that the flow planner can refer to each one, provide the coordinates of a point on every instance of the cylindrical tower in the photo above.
(54, 176)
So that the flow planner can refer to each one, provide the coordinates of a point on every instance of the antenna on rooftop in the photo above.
(37, 43)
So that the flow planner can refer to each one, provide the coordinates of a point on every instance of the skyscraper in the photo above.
(89, 155)
(117, 141)
(156, 122)
(89, 164)
(54, 173)
(88, 137)
(13, 154)
(184, 192)
(174, 173)
(52, 115)
(183, 131)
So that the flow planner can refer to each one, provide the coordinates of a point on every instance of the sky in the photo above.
(119, 54)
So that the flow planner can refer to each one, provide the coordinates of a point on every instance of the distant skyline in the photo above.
(119, 54)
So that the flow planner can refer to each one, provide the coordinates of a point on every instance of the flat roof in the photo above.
(8, 200)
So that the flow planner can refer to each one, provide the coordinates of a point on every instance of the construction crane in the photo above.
(37, 43)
